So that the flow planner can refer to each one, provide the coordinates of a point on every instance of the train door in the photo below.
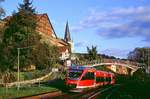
(87, 80)
(99, 79)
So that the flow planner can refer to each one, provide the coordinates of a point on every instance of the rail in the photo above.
(37, 80)
(102, 91)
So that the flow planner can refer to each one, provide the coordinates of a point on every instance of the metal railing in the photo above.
(110, 61)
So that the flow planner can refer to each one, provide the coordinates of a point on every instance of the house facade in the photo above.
(47, 32)
(45, 28)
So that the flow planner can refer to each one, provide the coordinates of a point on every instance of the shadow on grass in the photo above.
(58, 84)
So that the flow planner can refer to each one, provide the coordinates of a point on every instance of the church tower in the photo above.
(67, 38)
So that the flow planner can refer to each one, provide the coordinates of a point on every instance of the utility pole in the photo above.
(18, 67)
(18, 78)
(148, 59)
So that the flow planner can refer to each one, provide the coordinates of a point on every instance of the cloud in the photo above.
(119, 22)
(119, 53)
(76, 28)
(79, 44)
(137, 28)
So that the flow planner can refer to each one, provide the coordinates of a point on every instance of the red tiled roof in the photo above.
(62, 49)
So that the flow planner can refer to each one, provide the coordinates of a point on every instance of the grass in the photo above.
(24, 91)
(29, 75)
(133, 87)
(133, 90)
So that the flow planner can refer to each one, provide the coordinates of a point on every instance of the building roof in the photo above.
(51, 36)
(45, 28)
(62, 49)
(45, 25)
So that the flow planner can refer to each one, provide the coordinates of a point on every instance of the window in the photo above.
(88, 76)
(75, 74)
(99, 79)
(109, 79)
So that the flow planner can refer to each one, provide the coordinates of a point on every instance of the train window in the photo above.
(106, 79)
(88, 76)
(102, 79)
(99, 79)
(109, 79)
(74, 74)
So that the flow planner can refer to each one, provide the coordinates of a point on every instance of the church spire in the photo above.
(67, 37)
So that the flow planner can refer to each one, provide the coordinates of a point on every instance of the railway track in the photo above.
(90, 94)
(106, 91)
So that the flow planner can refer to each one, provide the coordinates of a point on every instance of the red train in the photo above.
(83, 77)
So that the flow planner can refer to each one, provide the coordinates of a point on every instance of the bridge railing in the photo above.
(88, 62)
(133, 64)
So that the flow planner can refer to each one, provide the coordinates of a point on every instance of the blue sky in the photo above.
(114, 26)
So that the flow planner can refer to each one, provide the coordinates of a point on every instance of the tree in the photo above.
(27, 7)
(92, 53)
(141, 55)
(20, 32)
(49, 56)
(2, 11)
(2, 62)
(2, 14)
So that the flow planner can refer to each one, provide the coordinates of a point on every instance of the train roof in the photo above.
(80, 67)
(89, 67)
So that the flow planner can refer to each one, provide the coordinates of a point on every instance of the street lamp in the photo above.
(18, 67)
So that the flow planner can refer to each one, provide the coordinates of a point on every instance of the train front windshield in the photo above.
(75, 74)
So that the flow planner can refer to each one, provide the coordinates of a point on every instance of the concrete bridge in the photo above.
(113, 63)
(132, 67)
